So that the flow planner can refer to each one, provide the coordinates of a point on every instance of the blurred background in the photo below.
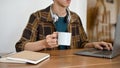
(102, 19)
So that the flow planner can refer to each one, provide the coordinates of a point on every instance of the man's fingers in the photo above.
(98, 47)
(54, 35)
(110, 45)
(105, 46)
(51, 40)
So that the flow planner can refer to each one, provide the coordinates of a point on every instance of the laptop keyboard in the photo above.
(103, 52)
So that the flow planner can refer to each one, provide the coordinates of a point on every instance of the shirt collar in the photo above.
(53, 14)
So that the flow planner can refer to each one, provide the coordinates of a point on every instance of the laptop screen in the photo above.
(116, 44)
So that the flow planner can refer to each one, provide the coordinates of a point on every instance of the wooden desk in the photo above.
(66, 59)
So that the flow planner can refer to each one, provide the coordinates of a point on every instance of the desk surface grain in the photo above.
(66, 59)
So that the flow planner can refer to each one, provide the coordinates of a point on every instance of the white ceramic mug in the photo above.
(64, 38)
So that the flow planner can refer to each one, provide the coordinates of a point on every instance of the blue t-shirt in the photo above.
(61, 26)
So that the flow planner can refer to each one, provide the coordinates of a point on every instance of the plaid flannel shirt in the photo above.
(41, 24)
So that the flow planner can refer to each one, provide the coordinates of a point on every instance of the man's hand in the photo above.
(52, 40)
(100, 45)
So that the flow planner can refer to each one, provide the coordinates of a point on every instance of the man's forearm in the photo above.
(35, 46)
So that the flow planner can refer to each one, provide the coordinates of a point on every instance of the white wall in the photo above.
(14, 15)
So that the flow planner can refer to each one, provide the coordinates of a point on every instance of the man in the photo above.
(41, 30)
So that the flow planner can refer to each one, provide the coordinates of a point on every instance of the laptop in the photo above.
(105, 53)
